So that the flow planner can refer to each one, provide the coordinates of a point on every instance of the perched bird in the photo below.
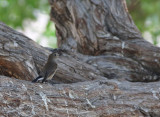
(49, 69)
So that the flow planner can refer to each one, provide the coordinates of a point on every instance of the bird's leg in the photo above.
(44, 80)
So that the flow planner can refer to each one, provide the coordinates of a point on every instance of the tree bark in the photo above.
(98, 98)
(105, 30)
(102, 51)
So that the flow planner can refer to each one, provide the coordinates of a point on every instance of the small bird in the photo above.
(49, 69)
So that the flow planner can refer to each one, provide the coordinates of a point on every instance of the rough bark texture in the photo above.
(88, 99)
(102, 52)
(104, 29)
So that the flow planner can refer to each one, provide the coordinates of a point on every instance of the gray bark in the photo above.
(98, 98)
(102, 52)
(105, 31)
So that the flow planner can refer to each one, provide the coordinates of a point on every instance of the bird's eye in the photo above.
(56, 54)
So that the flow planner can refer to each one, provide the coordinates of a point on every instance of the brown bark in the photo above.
(96, 98)
(101, 49)
(105, 30)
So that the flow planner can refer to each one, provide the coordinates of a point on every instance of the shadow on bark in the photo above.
(104, 59)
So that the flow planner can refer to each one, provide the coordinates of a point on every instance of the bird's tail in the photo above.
(36, 79)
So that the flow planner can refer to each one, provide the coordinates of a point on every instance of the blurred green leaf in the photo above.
(15, 12)
(145, 14)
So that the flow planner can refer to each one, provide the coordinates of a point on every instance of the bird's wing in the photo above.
(50, 73)
(50, 76)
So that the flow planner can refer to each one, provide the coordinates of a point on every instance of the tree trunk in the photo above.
(105, 31)
(102, 51)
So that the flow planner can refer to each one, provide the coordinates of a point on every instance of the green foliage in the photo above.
(144, 12)
(51, 34)
(146, 15)
(14, 12)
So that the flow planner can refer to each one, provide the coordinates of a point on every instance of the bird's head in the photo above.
(56, 55)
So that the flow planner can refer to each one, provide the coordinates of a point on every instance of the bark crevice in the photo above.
(102, 51)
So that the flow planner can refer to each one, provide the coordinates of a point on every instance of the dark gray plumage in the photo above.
(49, 69)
